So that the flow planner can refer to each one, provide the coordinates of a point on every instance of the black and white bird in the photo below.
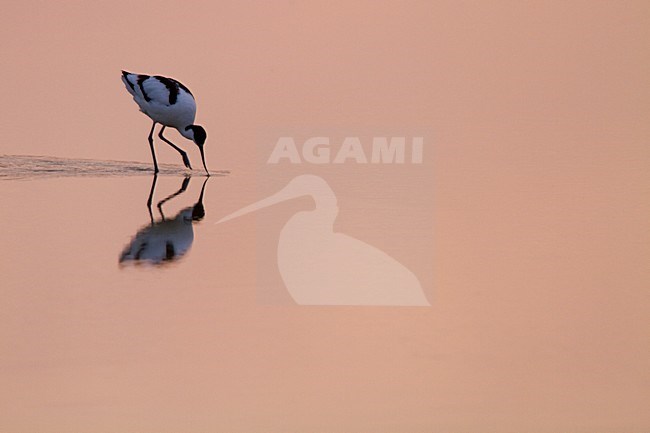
(170, 103)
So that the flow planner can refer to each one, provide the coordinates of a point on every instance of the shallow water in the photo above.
(496, 281)
(39, 167)
(125, 314)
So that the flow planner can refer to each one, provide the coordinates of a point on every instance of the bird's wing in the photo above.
(160, 90)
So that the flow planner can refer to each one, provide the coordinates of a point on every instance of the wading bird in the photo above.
(322, 267)
(170, 103)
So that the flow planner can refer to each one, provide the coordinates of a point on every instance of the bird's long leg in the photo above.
(182, 189)
(153, 153)
(186, 160)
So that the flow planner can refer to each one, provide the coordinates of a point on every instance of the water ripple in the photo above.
(36, 167)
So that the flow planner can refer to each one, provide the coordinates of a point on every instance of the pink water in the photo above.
(525, 226)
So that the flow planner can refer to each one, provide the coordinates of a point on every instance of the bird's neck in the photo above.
(189, 134)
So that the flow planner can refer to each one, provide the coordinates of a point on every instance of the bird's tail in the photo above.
(129, 81)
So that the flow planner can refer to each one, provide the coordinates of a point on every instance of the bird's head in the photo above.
(198, 135)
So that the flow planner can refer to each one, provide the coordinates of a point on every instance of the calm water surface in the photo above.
(500, 285)
(122, 313)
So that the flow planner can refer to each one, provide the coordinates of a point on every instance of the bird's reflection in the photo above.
(168, 239)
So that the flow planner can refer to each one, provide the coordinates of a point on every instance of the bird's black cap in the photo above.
(199, 134)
